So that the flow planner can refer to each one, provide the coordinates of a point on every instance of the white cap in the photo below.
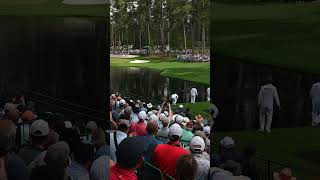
(39, 128)
(150, 113)
(175, 129)
(161, 116)
(206, 130)
(142, 115)
(149, 105)
(68, 124)
(91, 125)
(122, 102)
(178, 119)
(154, 117)
(181, 106)
(197, 144)
(227, 142)
(166, 113)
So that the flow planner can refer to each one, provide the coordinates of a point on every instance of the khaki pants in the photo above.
(265, 113)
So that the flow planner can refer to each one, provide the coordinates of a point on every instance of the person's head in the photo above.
(124, 125)
(233, 167)
(91, 126)
(189, 126)
(142, 116)
(27, 116)
(124, 116)
(13, 115)
(130, 153)
(285, 174)
(152, 127)
(175, 132)
(22, 108)
(7, 136)
(58, 155)
(68, 124)
(53, 138)
(197, 127)
(178, 119)
(84, 154)
(227, 143)
(128, 110)
(197, 144)
(207, 131)
(165, 121)
(98, 138)
(39, 133)
(186, 167)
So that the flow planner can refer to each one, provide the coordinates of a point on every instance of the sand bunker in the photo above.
(139, 61)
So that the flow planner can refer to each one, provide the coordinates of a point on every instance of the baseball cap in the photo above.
(197, 144)
(153, 117)
(57, 154)
(68, 124)
(128, 109)
(178, 119)
(130, 151)
(175, 129)
(206, 130)
(39, 128)
(142, 115)
(227, 142)
(166, 113)
(180, 106)
(122, 102)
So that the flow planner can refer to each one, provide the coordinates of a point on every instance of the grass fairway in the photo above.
(50, 8)
(195, 109)
(196, 72)
(284, 35)
(282, 145)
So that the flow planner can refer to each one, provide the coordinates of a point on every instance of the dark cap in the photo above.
(130, 151)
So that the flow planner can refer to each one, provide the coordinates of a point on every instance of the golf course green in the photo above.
(196, 72)
(284, 35)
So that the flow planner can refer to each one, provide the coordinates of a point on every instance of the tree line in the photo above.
(160, 24)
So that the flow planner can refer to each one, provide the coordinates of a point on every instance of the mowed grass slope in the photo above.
(284, 35)
(281, 145)
(196, 72)
(50, 8)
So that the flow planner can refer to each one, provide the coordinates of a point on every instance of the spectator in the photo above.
(165, 156)
(39, 134)
(227, 150)
(83, 157)
(90, 127)
(117, 136)
(12, 166)
(285, 174)
(163, 133)
(100, 168)
(99, 141)
(186, 134)
(139, 128)
(186, 168)
(152, 142)
(128, 161)
(248, 162)
(197, 147)
(56, 161)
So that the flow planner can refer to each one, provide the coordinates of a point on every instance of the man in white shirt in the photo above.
(193, 94)
(268, 93)
(117, 136)
(174, 98)
(315, 98)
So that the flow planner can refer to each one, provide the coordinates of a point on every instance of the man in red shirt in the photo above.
(139, 128)
(129, 158)
(165, 156)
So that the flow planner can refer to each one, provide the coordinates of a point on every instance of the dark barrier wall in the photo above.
(63, 57)
(236, 85)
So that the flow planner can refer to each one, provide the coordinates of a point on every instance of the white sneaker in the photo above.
(261, 130)
(268, 130)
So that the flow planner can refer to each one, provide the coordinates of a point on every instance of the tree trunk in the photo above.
(168, 32)
(149, 38)
(184, 36)
(203, 38)
(192, 37)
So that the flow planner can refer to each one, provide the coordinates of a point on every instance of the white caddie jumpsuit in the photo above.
(315, 98)
(174, 98)
(268, 93)
(193, 94)
(208, 94)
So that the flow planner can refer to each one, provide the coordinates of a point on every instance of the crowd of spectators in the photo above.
(150, 135)
(37, 146)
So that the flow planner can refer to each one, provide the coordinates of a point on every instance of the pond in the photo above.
(148, 85)
(236, 87)
(61, 57)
